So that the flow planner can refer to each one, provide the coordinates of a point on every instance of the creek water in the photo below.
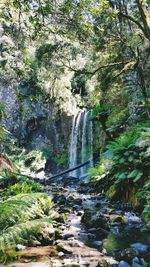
(90, 231)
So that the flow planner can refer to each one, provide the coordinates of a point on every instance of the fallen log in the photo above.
(69, 170)
(47, 178)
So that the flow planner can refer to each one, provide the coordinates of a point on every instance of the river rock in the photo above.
(141, 248)
(64, 248)
(136, 260)
(80, 213)
(98, 244)
(123, 264)
(61, 254)
(20, 247)
(134, 264)
(132, 217)
(32, 264)
(115, 218)
(97, 220)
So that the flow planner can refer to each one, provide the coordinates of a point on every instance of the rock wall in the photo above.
(36, 123)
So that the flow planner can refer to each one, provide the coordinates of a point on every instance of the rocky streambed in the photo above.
(90, 231)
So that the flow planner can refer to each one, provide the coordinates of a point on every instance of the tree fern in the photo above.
(125, 141)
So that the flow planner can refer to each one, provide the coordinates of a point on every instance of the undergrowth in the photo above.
(124, 169)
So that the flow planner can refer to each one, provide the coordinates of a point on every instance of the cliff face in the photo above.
(36, 123)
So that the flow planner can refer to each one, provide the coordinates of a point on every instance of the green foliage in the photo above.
(23, 186)
(128, 168)
(2, 110)
(24, 207)
(45, 53)
(101, 110)
(144, 196)
(24, 219)
(47, 153)
(34, 160)
(124, 142)
(7, 179)
(24, 233)
(3, 131)
(62, 159)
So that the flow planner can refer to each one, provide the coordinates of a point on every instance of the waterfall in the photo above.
(91, 142)
(81, 123)
(74, 142)
(84, 141)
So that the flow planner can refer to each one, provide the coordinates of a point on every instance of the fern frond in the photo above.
(23, 207)
(24, 233)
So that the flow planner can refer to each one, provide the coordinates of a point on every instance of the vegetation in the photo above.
(124, 167)
(56, 55)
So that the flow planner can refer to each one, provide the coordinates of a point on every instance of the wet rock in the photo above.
(136, 262)
(98, 244)
(56, 263)
(32, 264)
(136, 265)
(78, 201)
(65, 236)
(87, 236)
(71, 264)
(75, 243)
(80, 213)
(20, 247)
(60, 219)
(64, 248)
(118, 212)
(118, 219)
(132, 217)
(141, 248)
(123, 264)
(95, 221)
(61, 254)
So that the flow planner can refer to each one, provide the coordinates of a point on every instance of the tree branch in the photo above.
(133, 20)
(107, 66)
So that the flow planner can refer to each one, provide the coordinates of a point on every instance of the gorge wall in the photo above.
(35, 122)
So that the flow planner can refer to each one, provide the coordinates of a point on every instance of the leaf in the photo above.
(138, 177)
(131, 158)
(134, 174)
(122, 160)
(121, 175)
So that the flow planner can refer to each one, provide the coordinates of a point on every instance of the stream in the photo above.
(92, 231)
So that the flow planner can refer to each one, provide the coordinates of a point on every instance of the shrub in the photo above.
(128, 171)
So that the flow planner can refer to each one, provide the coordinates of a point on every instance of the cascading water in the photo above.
(81, 123)
(74, 142)
(91, 142)
(84, 141)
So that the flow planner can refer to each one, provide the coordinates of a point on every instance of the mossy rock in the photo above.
(118, 219)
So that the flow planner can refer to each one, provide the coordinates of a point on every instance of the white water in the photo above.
(91, 142)
(85, 141)
(74, 142)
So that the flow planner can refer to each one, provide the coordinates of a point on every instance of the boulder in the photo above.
(123, 264)
(61, 247)
(141, 248)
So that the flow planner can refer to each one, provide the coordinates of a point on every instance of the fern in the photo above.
(23, 233)
(23, 207)
(124, 142)
(7, 179)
